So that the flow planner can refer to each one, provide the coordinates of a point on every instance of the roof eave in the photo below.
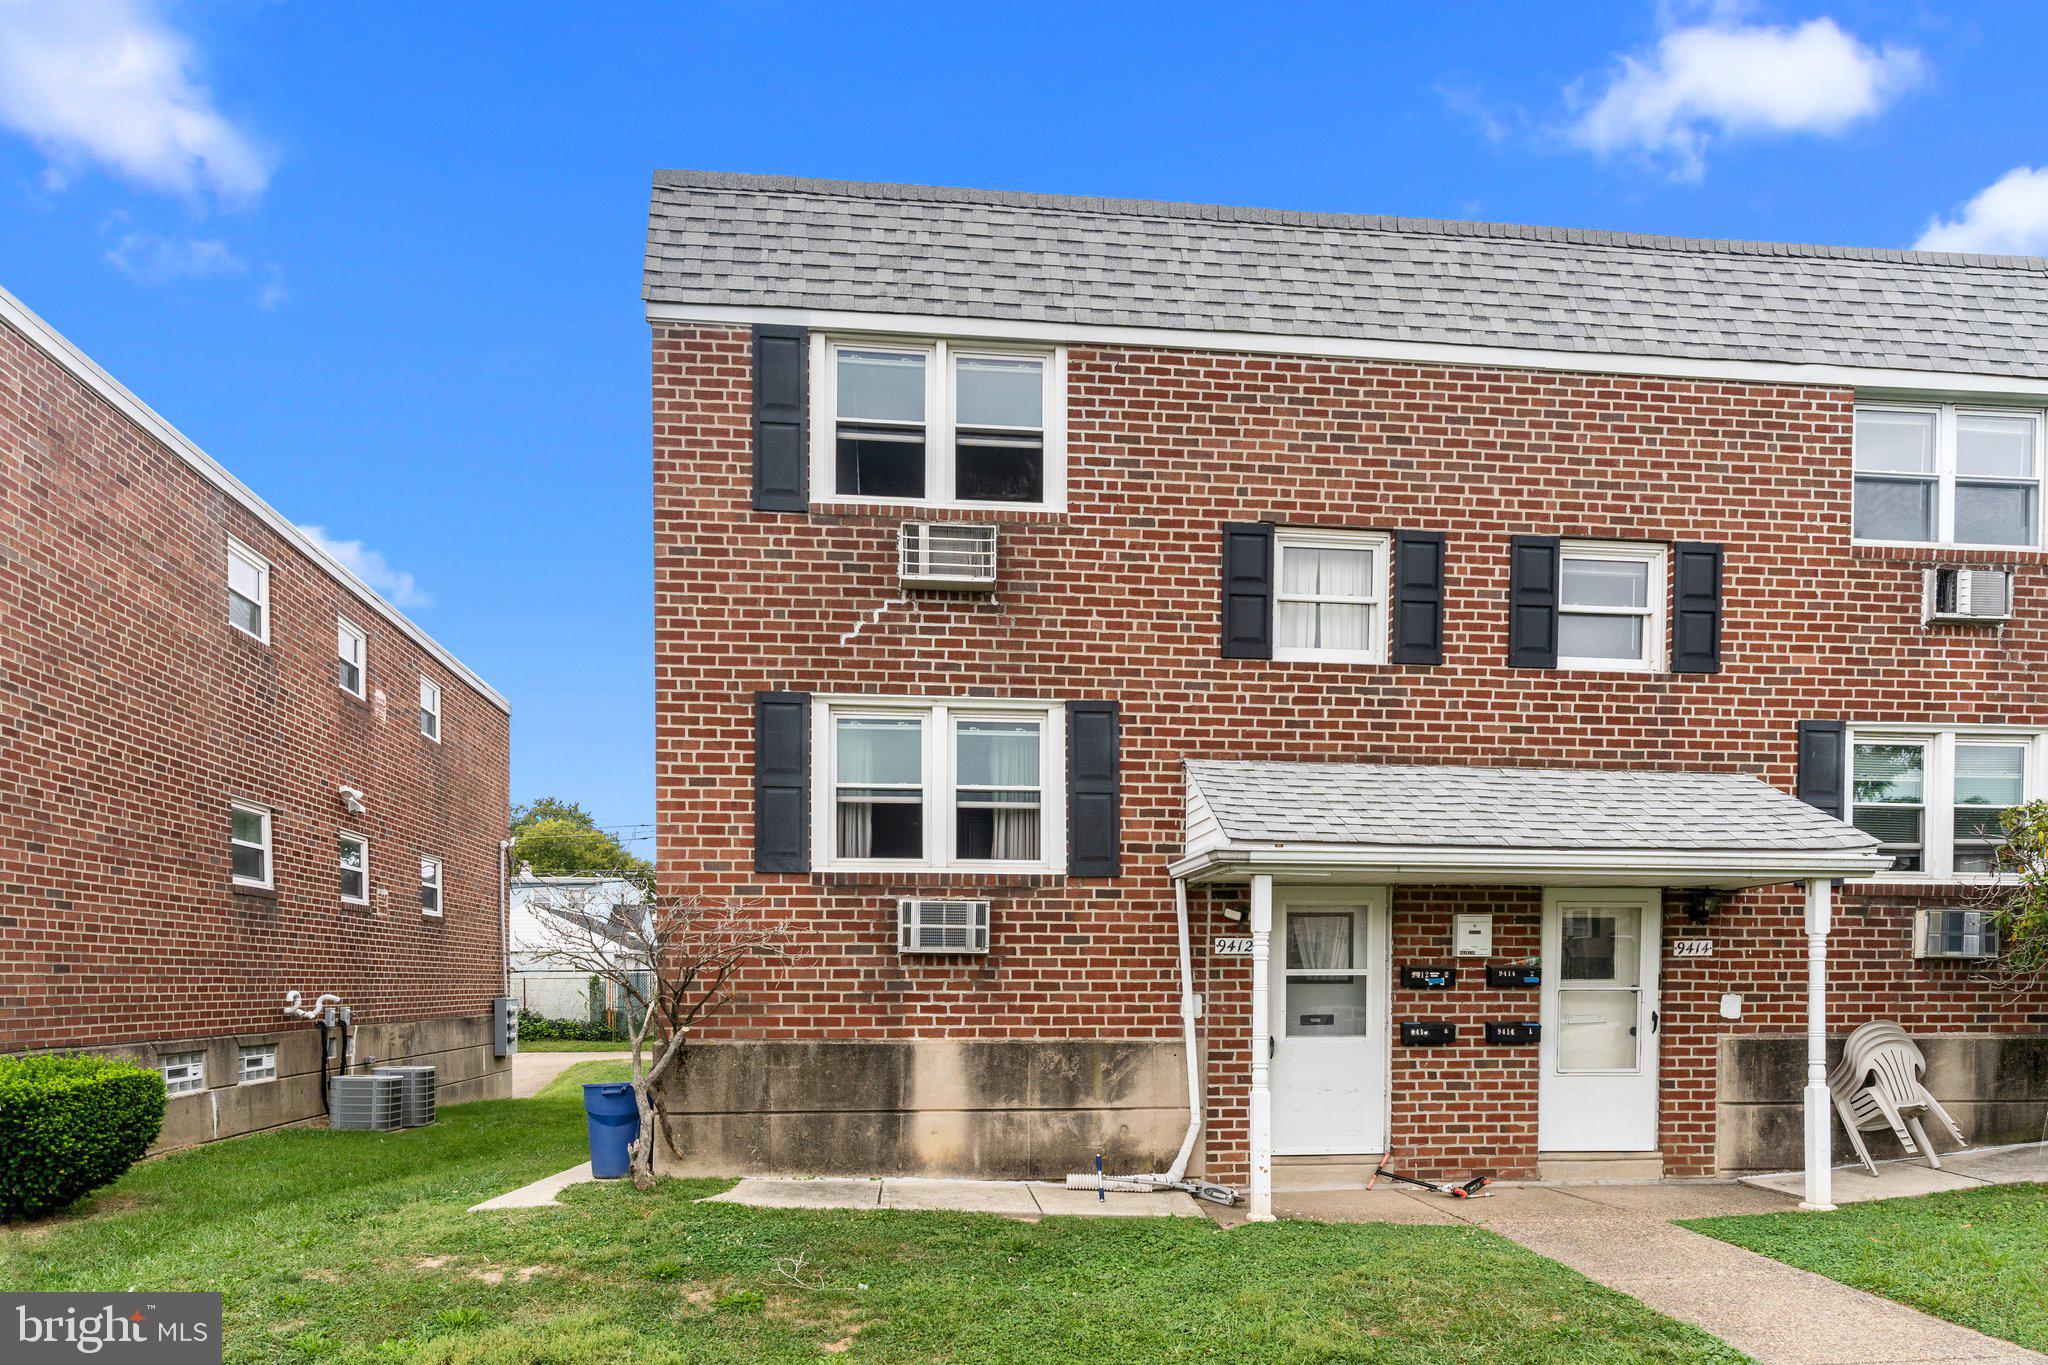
(1413, 864)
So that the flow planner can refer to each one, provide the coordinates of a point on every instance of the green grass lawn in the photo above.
(571, 1045)
(1977, 1257)
(356, 1246)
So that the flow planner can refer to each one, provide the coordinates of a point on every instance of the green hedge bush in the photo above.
(69, 1125)
(542, 1029)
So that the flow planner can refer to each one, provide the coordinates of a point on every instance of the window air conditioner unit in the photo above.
(941, 926)
(946, 554)
(1954, 933)
(1969, 595)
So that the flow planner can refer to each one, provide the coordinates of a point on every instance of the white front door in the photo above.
(1598, 1090)
(1330, 1012)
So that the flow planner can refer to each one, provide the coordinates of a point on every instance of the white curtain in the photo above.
(874, 751)
(856, 829)
(999, 761)
(1319, 572)
(1319, 943)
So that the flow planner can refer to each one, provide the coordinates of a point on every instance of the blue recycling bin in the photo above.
(614, 1123)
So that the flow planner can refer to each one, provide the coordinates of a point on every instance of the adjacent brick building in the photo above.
(228, 770)
(1335, 497)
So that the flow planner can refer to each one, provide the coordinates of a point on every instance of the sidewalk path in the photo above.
(531, 1071)
(1012, 1198)
(1622, 1237)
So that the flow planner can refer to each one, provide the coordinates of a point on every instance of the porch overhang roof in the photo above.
(1395, 823)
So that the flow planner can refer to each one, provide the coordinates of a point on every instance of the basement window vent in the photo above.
(1955, 933)
(255, 1064)
(1969, 595)
(942, 926)
(942, 554)
(184, 1072)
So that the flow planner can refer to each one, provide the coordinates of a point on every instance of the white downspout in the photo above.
(504, 918)
(1196, 1099)
(1820, 1194)
(1262, 1041)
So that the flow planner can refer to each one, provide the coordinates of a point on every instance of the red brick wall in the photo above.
(1117, 597)
(130, 714)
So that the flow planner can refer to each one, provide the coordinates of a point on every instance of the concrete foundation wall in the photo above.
(941, 1107)
(1996, 1087)
(460, 1049)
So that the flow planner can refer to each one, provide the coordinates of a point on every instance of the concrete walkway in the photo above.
(531, 1071)
(540, 1194)
(1622, 1236)
(1011, 1198)
(1897, 1179)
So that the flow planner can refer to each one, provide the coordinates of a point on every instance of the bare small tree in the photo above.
(669, 960)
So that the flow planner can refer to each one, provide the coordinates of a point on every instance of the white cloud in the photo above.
(2008, 217)
(150, 259)
(371, 566)
(110, 81)
(272, 291)
(1723, 78)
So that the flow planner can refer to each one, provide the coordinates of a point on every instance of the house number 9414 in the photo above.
(1692, 947)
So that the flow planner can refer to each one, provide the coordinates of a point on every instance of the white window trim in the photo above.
(344, 626)
(1308, 537)
(430, 688)
(269, 845)
(939, 790)
(192, 1084)
(1944, 477)
(269, 1068)
(236, 549)
(364, 842)
(1653, 617)
(1938, 826)
(440, 886)
(938, 414)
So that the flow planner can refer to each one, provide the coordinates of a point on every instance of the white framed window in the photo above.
(1329, 599)
(430, 886)
(248, 591)
(249, 844)
(949, 423)
(184, 1072)
(1948, 474)
(351, 656)
(254, 1064)
(1934, 797)
(355, 868)
(1610, 605)
(430, 708)
(956, 783)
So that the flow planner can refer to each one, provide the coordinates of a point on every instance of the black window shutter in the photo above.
(1247, 591)
(1696, 609)
(780, 459)
(1533, 567)
(782, 771)
(1823, 766)
(1094, 790)
(1418, 597)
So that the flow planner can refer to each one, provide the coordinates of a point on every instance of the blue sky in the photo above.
(382, 260)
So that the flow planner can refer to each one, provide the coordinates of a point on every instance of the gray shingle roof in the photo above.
(776, 241)
(1512, 808)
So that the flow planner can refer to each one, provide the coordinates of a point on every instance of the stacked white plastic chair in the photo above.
(1880, 1084)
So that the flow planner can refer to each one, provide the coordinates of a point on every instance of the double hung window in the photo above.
(1610, 606)
(1948, 475)
(1935, 800)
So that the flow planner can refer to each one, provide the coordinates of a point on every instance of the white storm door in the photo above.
(1598, 1090)
(1330, 1012)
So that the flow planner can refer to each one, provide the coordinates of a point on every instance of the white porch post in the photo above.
(1262, 1046)
(1820, 1193)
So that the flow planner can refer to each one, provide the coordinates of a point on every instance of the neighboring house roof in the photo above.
(1430, 816)
(52, 343)
(782, 242)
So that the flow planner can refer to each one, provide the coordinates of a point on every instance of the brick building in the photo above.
(228, 770)
(1152, 650)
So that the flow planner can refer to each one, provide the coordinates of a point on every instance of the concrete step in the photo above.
(1598, 1168)
(1305, 1174)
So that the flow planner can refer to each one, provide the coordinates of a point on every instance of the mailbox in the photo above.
(1427, 1033)
(1429, 978)
(1514, 978)
(1513, 1032)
